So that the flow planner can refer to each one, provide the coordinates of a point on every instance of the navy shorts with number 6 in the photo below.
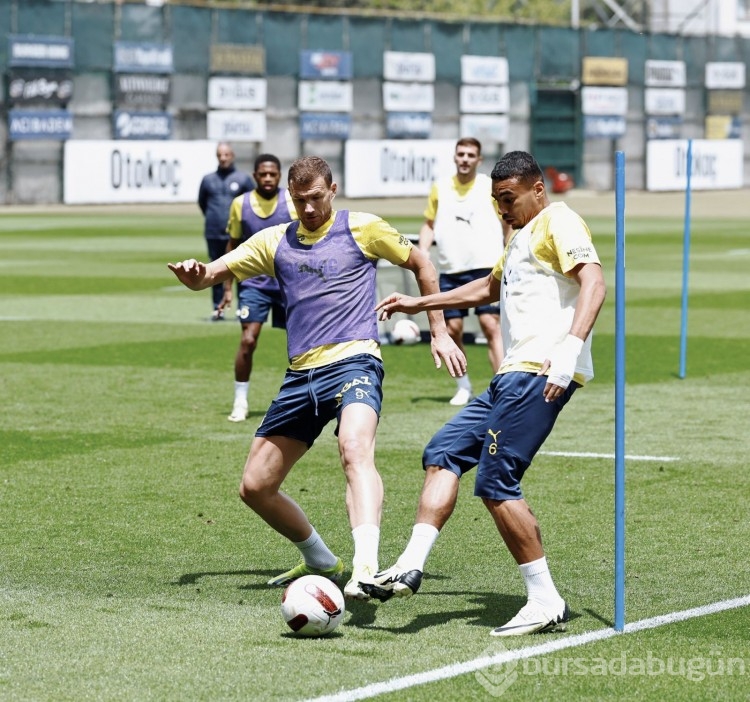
(499, 431)
(309, 399)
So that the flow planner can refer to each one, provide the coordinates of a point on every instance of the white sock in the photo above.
(463, 382)
(315, 552)
(366, 542)
(539, 585)
(240, 391)
(415, 554)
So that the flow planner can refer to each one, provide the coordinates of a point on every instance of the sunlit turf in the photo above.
(130, 569)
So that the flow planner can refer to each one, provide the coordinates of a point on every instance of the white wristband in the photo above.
(563, 361)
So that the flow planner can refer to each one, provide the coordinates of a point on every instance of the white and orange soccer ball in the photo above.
(312, 606)
(405, 333)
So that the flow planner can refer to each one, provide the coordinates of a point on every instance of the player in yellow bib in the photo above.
(325, 263)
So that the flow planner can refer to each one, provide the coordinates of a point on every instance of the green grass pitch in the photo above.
(130, 570)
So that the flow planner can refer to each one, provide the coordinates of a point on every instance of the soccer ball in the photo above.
(312, 606)
(405, 332)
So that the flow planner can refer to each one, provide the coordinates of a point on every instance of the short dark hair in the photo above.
(517, 164)
(307, 169)
(266, 158)
(470, 141)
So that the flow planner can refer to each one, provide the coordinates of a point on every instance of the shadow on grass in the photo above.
(492, 610)
(194, 578)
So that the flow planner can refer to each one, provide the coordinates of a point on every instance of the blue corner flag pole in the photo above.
(685, 262)
(619, 391)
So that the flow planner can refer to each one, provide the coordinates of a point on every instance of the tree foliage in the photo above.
(546, 11)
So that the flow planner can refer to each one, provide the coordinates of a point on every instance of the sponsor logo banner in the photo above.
(484, 70)
(414, 125)
(32, 86)
(486, 128)
(604, 101)
(324, 96)
(142, 90)
(410, 67)
(664, 127)
(237, 93)
(315, 125)
(664, 101)
(238, 58)
(725, 75)
(49, 52)
(603, 126)
(716, 164)
(724, 102)
(236, 125)
(484, 99)
(142, 125)
(599, 70)
(723, 127)
(100, 172)
(331, 65)
(40, 124)
(396, 167)
(143, 57)
(408, 97)
(665, 74)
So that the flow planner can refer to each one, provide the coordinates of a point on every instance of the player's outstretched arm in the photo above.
(199, 276)
(443, 348)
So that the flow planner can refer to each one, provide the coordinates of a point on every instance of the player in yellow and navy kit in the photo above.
(462, 220)
(266, 205)
(325, 264)
(550, 286)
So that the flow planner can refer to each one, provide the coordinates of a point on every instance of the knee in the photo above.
(252, 493)
(354, 454)
(249, 342)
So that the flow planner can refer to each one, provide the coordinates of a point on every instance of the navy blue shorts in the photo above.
(309, 399)
(253, 305)
(499, 431)
(451, 281)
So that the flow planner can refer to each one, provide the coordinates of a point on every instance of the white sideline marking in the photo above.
(585, 454)
(456, 669)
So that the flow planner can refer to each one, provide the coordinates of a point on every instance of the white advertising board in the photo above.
(100, 172)
(484, 70)
(484, 99)
(408, 97)
(604, 101)
(665, 74)
(486, 128)
(236, 125)
(408, 66)
(725, 74)
(717, 164)
(324, 96)
(396, 167)
(237, 93)
(664, 101)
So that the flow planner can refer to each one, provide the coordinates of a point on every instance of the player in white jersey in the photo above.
(550, 286)
(462, 220)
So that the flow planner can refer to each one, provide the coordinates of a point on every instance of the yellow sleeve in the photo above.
(378, 239)
(432, 203)
(571, 240)
(234, 226)
(256, 255)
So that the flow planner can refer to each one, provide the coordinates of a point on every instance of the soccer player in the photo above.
(215, 195)
(263, 207)
(461, 218)
(550, 285)
(325, 264)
